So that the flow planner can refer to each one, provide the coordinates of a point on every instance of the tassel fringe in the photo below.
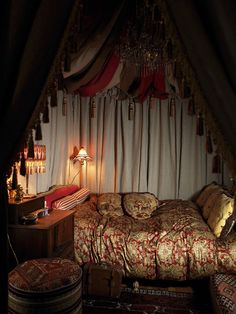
(216, 166)
(200, 125)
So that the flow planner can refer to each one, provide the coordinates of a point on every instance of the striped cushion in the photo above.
(59, 192)
(81, 195)
(47, 285)
(65, 203)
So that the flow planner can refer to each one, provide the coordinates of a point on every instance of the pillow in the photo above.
(65, 203)
(109, 204)
(59, 192)
(205, 193)
(207, 207)
(222, 210)
(140, 205)
(81, 195)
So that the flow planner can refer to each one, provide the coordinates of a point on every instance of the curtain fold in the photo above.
(154, 152)
(207, 33)
(31, 34)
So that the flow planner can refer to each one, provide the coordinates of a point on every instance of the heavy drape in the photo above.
(30, 36)
(154, 152)
(207, 30)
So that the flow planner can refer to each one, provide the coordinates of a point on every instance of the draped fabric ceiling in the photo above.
(33, 33)
(203, 35)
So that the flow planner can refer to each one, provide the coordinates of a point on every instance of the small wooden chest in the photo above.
(102, 279)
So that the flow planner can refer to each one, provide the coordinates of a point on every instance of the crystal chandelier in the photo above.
(143, 41)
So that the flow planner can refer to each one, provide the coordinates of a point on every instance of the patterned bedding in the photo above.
(174, 244)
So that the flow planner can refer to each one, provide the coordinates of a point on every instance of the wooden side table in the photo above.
(26, 206)
(53, 235)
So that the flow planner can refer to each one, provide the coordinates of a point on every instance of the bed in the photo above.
(152, 239)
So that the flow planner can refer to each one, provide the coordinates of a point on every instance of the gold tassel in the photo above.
(172, 107)
(209, 147)
(38, 131)
(191, 106)
(46, 113)
(30, 146)
(92, 107)
(22, 165)
(131, 111)
(64, 104)
(200, 125)
(216, 166)
(14, 178)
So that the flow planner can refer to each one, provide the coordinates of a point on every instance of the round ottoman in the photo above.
(223, 293)
(47, 285)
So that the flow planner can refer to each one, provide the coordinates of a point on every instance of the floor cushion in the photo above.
(47, 285)
(223, 293)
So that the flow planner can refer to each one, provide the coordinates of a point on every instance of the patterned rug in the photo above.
(149, 300)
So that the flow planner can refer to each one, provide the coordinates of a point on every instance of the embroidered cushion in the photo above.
(208, 205)
(221, 212)
(47, 285)
(109, 204)
(140, 205)
(205, 193)
(223, 292)
(65, 203)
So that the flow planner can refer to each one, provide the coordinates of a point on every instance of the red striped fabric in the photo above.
(81, 195)
(70, 201)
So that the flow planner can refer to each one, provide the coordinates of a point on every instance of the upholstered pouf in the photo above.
(47, 285)
(223, 293)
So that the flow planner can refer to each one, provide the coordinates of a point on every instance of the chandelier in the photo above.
(143, 41)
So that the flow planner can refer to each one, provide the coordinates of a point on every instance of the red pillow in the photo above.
(59, 193)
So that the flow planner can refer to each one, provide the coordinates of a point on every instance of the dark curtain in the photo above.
(30, 35)
(208, 33)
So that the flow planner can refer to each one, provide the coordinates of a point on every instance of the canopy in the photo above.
(35, 35)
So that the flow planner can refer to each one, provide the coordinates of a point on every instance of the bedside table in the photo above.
(51, 236)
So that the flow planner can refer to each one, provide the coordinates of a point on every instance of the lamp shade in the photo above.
(82, 156)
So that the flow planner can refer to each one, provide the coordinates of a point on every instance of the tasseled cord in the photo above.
(172, 107)
(38, 131)
(191, 106)
(46, 113)
(22, 165)
(30, 146)
(209, 146)
(216, 166)
(14, 178)
(200, 125)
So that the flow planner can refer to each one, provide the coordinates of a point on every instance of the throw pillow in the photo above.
(81, 195)
(222, 210)
(205, 193)
(210, 202)
(65, 203)
(109, 204)
(140, 205)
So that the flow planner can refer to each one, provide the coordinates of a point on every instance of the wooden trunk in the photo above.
(102, 279)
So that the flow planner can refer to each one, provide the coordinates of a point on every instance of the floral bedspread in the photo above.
(175, 243)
